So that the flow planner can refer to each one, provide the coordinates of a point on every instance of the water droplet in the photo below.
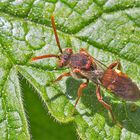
(67, 94)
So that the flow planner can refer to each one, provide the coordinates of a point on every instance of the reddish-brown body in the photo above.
(81, 61)
(84, 66)
(120, 85)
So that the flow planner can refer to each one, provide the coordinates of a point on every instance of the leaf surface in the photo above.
(109, 30)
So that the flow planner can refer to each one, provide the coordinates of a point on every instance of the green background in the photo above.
(41, 125)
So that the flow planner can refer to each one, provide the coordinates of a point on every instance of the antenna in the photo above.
(44, 56)
(55, 33)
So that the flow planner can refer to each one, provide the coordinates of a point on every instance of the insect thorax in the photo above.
(95, 75)
(81, 61)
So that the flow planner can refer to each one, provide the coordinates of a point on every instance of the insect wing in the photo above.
(99, 64)
(121, 85)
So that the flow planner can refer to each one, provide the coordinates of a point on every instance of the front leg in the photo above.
(62, 75)
(108, 107)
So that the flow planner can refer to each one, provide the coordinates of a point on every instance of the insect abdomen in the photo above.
(120, 85)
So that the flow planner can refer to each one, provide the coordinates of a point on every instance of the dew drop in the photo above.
(67, 94)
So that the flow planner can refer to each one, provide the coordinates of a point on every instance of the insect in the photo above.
(84, 66)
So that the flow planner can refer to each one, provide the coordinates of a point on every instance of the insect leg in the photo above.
(113, 65)
(108, 107)
(82, 86)
(62, 75)
(77, 71)
(83, 50)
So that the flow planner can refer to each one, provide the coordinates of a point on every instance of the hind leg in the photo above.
(113, 65)
(99, 97)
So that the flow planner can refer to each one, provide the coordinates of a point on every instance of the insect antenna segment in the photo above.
(55, 33)
(45, 56)
(57, 41)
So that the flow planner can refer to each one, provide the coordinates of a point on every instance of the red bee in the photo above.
(84, 66)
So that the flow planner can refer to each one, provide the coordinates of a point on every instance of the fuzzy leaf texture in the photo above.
(108, 29)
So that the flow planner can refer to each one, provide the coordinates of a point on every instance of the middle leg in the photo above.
(80, 90)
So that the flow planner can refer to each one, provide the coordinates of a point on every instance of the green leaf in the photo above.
(46, 124)
(109, 30)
